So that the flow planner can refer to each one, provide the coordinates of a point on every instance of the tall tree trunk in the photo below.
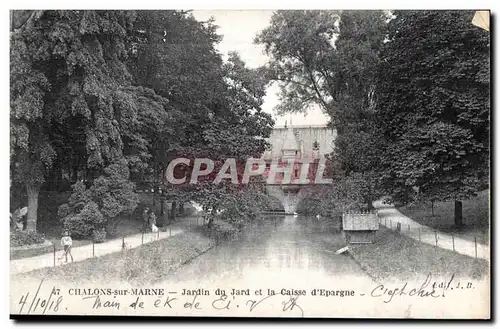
(210, 221)
(74, 177)
(58, 175)
(161, 219)
(211, 216)
(173, 211)
(55, 177)
(370, 202)
(458, 213)
(32, 207)
(370, 196)
(181, 209)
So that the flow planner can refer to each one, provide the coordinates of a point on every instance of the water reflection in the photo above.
(273, 246)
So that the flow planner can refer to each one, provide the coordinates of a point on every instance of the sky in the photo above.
(239, 28)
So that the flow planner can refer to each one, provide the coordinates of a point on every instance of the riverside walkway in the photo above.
(82, 253)
(389, 217)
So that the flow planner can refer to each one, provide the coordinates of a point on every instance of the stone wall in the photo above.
(306, 136)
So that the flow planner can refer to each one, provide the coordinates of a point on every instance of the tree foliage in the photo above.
(433, 104)
(65, 69)
(91, 89)
(329, 59)
(218, 117)
(90, 211)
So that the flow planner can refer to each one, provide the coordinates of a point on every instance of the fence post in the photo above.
(93, 249)
(390, 222)
(436, 236)
(123, 242)
(408, 227)
(142, 238)
(54, 248)
(158, 234)
(197, 220)
(170, 230)
(419, 234)
(453, 241)
(475, 245)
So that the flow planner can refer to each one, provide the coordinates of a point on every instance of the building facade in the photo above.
(300, 144)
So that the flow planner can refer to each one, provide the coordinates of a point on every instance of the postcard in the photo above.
(233, 163)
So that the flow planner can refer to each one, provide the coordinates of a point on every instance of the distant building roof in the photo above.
(302, 126)
(290, 142)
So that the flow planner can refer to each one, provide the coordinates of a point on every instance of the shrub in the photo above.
(112, 226)
(189, 211)
(77, 227)
(95, 208)
(82, 225)
(221, 231)
(99, 235)
(23, 238)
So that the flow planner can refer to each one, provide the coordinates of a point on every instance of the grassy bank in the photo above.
(35, 251)
(221, 231)
(476, 215)
(143, 265)
(398, 257)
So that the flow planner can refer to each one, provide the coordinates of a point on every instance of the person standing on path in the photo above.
(66, 243)
(151, 219)
(145, 219)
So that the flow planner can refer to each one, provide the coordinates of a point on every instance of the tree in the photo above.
(69, 86)
(433, 105)
(347, 192)
(94, 211)
(329, 59)
(303, 58)
(218, 117)
(92, 88)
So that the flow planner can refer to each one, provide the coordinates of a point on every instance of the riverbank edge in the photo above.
(396, 246)
(19, 252)
(352, 253)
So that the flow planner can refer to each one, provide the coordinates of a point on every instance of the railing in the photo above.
(451, 241)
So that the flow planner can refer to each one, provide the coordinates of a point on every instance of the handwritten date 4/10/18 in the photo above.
(34, 302)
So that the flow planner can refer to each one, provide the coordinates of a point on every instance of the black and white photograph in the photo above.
(285, 163)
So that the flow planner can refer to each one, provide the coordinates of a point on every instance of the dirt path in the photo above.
(389, 217)
(84, 252)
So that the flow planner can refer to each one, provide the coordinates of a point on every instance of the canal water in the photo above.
(285, 248)
(280, 267)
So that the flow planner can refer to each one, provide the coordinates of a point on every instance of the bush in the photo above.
(77, 227)
(82, 225)
(221, 231)
(96, 207)
(99, 235)
(23, 238)
(189, 211)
